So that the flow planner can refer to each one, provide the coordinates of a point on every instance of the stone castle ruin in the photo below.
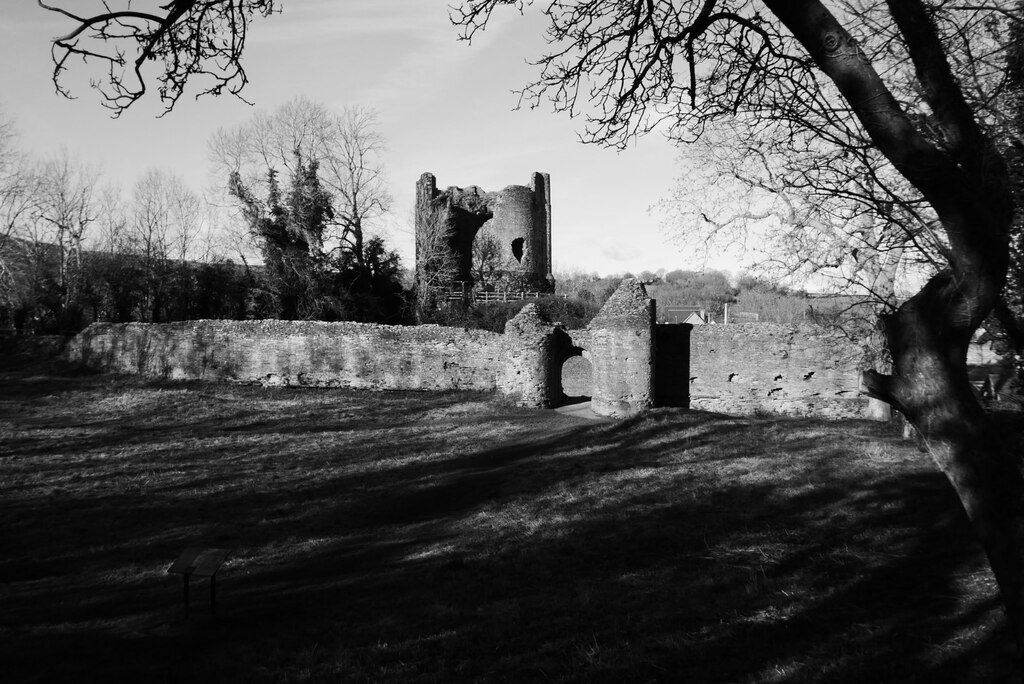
(516, 221)
(635, 363)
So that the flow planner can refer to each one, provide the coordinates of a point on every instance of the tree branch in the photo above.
(194, 40)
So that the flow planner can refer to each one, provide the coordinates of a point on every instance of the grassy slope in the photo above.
(446, 537)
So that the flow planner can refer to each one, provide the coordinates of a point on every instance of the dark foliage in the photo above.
(115, 287)
(290, 232)
(301, 280)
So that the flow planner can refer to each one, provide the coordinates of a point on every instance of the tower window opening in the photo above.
(517, 249)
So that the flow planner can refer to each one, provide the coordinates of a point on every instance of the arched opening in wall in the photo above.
(517, 249)
(461, 236)
(577, 379)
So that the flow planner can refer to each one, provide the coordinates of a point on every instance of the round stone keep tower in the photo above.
(522, 226)
(516, 219)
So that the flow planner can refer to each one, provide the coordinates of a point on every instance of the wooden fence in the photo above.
(500, 296)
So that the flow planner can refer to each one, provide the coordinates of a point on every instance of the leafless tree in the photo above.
(192, 40)
(437, 266)
(164, 217)
(16, 178)
(486, 256)
(66, 206)
(801, 217)
(111, 231)
(346, 145)
(18, 195)
(815, 197)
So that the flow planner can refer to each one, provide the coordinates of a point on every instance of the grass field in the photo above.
(406, 537)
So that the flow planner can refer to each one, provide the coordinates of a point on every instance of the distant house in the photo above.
(694, 315)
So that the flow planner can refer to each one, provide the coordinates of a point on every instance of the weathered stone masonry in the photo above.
(764, 367)
(519, 364)
(298, 353)
(619, 343)
(518, 216)
(636, 364)
(739, 369)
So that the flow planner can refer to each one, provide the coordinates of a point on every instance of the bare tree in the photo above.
(346, 146)
(845, 224)
(163, 223)
(186, 210)
(111, 232)
(486, 256)
(18, 195)
(66, 205)
(17, 179)
(193, 40)
(814, 193)
(213, 241)
(437, 266)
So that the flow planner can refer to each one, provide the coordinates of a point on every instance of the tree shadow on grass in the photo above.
(673, 547)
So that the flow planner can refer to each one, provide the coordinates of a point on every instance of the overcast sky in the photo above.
(444, 106)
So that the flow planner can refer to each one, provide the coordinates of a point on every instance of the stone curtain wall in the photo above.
(308, 353)
(763, 367)
(635, 364)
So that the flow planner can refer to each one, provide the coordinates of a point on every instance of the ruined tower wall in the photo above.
(620, 346)
(514, 220)
(531, 370)
(426, 190)
(519, 217)
(540, 183)
(446, 225)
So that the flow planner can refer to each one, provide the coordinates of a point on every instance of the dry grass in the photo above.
(448, 537)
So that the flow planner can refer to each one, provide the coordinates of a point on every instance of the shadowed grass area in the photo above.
(412, 537)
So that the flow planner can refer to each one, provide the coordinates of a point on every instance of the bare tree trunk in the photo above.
(967, 184)
(930, 386)
(987, 480)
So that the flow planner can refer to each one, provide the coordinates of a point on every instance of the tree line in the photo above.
(284, 236)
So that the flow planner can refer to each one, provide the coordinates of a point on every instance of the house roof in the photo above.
(694, 315)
